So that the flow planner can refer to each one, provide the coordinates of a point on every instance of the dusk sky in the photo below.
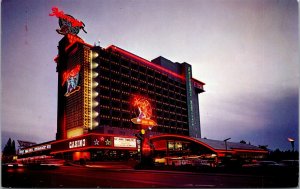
(246, 51)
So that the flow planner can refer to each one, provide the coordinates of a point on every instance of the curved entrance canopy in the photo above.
(180, 137)
(215, 146)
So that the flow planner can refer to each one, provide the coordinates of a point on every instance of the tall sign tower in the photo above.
(75, 79)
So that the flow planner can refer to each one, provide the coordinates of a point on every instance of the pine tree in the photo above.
(9, 151)
(7, 148)
(13, 148)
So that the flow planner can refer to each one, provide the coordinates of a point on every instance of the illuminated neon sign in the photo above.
(125, 142)
(71, 77)
(77, 143)
(145, 111)
(67, 23)
(35, 149)
(102, 141)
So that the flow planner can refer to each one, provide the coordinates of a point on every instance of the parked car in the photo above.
(202, 163)
(251, 165)
(262, 164)
(269, 164)
(12, 165)
(289, 163)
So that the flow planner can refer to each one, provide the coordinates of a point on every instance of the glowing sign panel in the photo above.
(102, 141)
(125, 142)
(77, 143)
(35, 149)
(71, 77)
(145, 111)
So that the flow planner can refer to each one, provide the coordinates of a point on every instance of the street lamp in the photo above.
(226, 145)
(292, 141)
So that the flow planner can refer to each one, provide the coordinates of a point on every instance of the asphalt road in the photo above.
(84, 177)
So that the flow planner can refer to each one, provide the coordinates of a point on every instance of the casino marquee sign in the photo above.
(94, 141)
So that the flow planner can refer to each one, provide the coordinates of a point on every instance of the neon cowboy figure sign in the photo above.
(72, 78)
(67, 23)
(145, 112)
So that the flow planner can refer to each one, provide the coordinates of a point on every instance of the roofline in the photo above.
(90, 134)
(44, 143)
(184, 137)
(144, 61)
(232, 150)
(250, 150)
(196, 80)
(91, 147)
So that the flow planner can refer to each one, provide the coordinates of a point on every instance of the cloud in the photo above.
(255, 118)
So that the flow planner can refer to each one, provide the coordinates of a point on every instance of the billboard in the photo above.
(125, 142)
(145, 111)
(71, 77)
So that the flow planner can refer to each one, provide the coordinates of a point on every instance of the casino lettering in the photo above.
(77, 143)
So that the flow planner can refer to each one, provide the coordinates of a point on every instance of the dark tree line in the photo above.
(9, 151)
(278, 155)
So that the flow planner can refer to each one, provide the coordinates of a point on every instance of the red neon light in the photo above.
(74, 39)
(56, 59)
(144, 61)
(183, 137)
(71, 73)
(206, 145)
(87, 135)
(60, 14)
(92, 147)
(144, 106)
(145, 111)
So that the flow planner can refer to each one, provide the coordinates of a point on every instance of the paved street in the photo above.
(70, 176)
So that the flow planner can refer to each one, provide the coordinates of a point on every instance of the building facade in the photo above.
(107, 79)
(115, 105)
(99, 117)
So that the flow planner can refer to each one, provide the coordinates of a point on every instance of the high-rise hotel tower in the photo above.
(96, 86)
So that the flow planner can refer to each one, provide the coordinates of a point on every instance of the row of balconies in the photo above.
(150, 88)
(118, 69)
(129, 124)
(125, 107)
(157, 97)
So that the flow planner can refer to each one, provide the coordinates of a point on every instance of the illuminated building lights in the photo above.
(117, 83)
(95, 84)
(95, 123)
(95, 114)
(95, 103)
(95, 55)
(74, 132)
(144, 61)
(95, 65)
(95, 94)
(95, 74)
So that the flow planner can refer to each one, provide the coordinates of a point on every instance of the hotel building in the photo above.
(98, 117)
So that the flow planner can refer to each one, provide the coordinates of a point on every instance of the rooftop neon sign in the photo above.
(67, 23)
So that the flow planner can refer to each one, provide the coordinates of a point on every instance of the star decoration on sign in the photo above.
(102, 138)
(107, 142)
(96, 142)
